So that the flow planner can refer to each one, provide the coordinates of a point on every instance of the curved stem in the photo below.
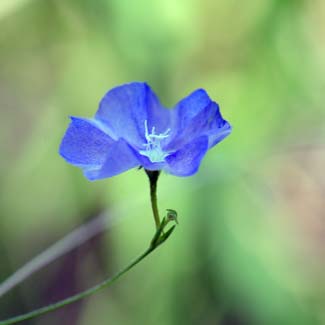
(159, 238)
(153, 179)
(74, 239)
(79, 296)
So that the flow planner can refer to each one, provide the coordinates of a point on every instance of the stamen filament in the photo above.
(153, 148)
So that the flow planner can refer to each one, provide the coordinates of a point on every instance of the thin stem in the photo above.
(153, 179)
(64, 245)
(159, 238)
(79, 296)
(61, 247)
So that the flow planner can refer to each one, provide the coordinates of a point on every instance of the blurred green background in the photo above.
(250, 245)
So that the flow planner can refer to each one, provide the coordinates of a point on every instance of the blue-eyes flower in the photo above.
(132, 129)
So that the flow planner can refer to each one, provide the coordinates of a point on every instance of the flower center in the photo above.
(153, 148)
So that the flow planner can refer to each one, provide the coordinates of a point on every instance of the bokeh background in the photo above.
(250, 247)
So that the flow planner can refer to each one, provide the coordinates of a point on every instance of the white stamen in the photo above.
(153, 148)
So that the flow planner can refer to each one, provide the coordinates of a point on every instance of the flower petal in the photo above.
(190, 106)
(198, 115)
(217, 135)
(119, 158)
(84, 143)
(125, 108)
(186, 161)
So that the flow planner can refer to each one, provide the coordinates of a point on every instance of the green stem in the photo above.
(159, 238)
(153, 179)
(79, 296)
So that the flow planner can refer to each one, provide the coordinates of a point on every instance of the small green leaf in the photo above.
(172, 215)
(165, 236)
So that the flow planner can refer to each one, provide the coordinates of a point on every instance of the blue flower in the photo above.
(131, 128)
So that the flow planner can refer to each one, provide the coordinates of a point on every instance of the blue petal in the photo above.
(147, 164)
(119, 158)
(84, 143)
(198, 115)
(208, 122)
(190, 106)
(218, 135)
(186, 161)
(125, 108)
